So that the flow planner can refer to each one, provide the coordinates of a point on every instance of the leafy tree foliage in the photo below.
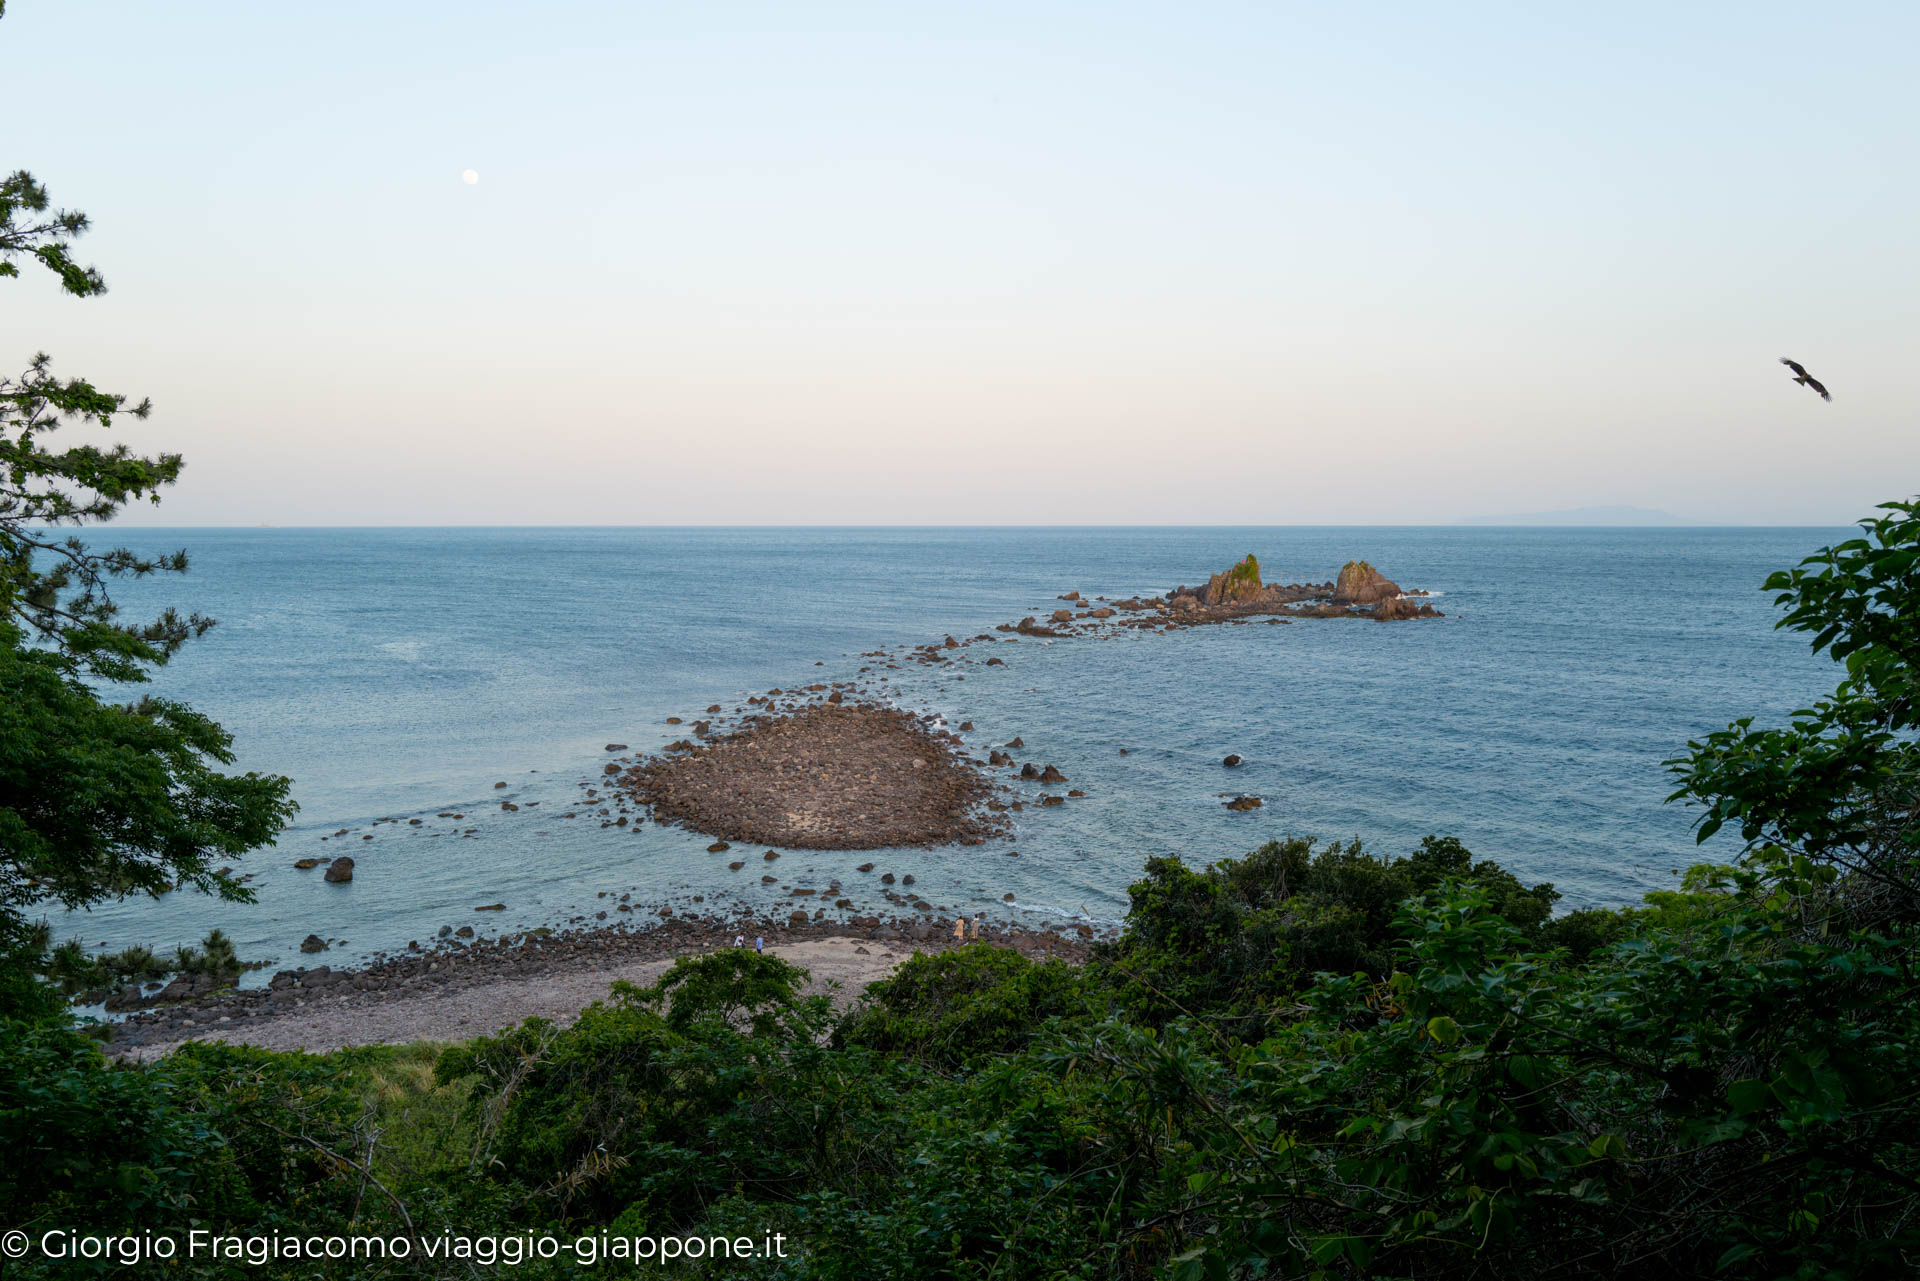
(1242, 937)
(56, 588)
(1841, 782)
(1690, 1102)
(30, 228)
(97, 800)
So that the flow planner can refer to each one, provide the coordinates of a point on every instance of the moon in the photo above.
(470, 176)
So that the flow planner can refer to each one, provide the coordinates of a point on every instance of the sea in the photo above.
(404, 673)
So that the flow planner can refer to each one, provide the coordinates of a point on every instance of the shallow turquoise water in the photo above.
(403, 672)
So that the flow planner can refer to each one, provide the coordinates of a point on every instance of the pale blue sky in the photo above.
(991, 263)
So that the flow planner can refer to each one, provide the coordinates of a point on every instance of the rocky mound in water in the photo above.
(1361, 584)
(1238, 585)
(1237, 594)
(831, 776)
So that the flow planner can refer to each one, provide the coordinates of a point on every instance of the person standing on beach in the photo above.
(960, 928)
(739, 940)
(759, 943)
(979, 924)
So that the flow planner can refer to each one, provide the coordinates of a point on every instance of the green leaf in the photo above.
(1443, 1030)
(1327, 1249)
(1607, 1145)
(1749, 1096)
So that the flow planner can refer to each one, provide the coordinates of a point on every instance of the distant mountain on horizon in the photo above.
(1583, 516)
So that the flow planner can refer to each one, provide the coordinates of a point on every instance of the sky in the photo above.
(1031, 263)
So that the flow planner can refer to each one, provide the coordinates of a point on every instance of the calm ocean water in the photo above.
(403, 672)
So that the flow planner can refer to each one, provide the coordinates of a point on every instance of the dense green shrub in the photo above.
(946, 1008)
(1237, 940)
(1731, 1095)
(84, 1137)
(662, 1098)
(211, 1135)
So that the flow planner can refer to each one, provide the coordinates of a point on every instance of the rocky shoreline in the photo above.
(538, 957)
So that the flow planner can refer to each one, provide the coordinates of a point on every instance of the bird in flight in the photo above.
(1805, 379)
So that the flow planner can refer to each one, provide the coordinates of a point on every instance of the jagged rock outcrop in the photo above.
(1239, 585)
(1361, 584)
(1233, 592)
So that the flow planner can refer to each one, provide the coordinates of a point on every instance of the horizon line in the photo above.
(1454, 525)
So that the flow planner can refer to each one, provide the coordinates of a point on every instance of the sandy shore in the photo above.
(841, 966)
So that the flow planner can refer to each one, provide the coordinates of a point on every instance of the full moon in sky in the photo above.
(470, 176)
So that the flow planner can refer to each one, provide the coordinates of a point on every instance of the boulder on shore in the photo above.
(340, 870)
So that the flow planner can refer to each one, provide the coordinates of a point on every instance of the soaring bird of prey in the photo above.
(1805, 379)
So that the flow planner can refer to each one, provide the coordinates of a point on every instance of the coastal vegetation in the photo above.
(1308, 1061)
